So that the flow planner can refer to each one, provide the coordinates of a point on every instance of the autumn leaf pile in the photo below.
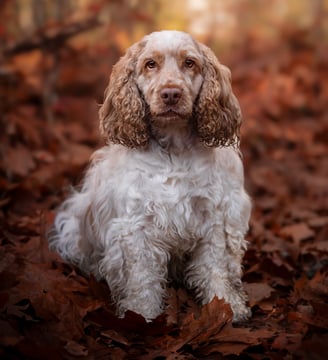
(49, 310)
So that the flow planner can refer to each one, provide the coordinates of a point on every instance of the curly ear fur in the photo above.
(217, 111)
(122, 115)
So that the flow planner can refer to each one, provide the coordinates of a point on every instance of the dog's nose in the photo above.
(171, 96)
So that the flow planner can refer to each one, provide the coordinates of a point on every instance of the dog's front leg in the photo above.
(208, 273)
(136, 272)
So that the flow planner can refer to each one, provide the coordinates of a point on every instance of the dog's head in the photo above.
(168, 78)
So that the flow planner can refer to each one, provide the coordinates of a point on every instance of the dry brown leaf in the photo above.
(285, 341)
(18, 161)
(257, 292)
(318, 222)
(76, 155)
(297, 232)
(76, 349)
(193, 330)
(229, 336)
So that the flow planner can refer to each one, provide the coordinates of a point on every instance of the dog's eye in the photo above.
(189, 63)
(150, 64)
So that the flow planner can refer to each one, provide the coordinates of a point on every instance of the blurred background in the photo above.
(55, 60)
(56, 57)
(65, 43)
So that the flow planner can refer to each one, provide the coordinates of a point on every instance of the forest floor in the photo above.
(49, 310)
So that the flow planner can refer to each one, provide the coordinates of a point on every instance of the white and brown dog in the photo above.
(165, 198)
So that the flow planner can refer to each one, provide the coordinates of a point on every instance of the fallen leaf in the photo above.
(298, 232)
(18, 161)
(242, 337)
(257, 292)
(285, 341)
(76, 349)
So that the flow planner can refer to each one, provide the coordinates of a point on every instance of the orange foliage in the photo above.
(48, 309)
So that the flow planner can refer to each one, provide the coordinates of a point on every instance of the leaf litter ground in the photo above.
(49, 310)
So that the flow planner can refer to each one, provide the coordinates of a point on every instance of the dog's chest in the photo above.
(176, 199)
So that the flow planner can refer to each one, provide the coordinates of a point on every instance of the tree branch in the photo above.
(51, 40)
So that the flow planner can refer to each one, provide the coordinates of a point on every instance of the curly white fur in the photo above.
(173, 209)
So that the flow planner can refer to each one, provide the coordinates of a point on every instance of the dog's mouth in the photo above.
(170, 114)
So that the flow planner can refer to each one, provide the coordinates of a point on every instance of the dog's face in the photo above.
(169, 75)
(165, 80)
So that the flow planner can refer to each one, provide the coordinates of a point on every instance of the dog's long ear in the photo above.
(217, 111)
(122, 115)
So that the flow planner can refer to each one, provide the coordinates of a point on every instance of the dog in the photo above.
(164, 199)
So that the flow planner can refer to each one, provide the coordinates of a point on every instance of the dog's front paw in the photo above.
(149, 307)
(241, 313)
